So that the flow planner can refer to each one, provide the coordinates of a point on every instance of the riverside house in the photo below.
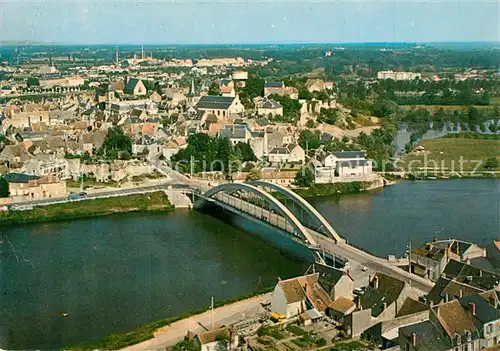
(30, 187)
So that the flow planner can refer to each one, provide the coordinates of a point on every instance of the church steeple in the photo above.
(192, 91)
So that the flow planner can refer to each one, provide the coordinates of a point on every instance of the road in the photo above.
(357, 258)
(175, 180)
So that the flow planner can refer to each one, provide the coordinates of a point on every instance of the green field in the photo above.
(445, 154)
(446, 107)
(89, 208)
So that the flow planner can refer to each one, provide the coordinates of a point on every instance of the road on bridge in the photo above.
(356, 257)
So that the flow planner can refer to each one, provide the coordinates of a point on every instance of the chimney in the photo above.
(460, 293)
(375, 282)
(446, 298)
(385, 306)
(493, 301)
(472, 307)
(358, 303)
(480, 272)
(413, 339)
(467, 260)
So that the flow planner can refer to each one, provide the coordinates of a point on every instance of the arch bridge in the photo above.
(275, 205)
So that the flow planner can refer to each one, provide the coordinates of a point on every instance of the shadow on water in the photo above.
(274, 237)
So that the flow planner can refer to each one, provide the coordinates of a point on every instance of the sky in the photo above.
(242, 22)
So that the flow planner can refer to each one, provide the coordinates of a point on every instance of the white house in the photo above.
(218, 339)
(236, 133)
(289, 298)
(287, 153)
(221, 106)
(344, 164)
(268, 106)
(294, 296)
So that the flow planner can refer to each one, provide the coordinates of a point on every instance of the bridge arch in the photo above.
(277, 205)
(304, 205)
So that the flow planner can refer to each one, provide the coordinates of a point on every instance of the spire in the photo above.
(192, 91)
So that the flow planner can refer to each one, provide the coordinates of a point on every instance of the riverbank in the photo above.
(173, 329)
(150, 202)
(321, 190)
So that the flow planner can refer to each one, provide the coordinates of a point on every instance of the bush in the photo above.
(4, 187)
(321, 342)
(271, 331)
(296, 330)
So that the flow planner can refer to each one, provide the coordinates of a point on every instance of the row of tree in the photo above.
(205, 153)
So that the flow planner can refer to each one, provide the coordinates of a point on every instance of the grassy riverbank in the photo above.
(157, 201)
(332, 189)
(444, 154)
(118, 341)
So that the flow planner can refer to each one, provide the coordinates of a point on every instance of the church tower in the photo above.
(192, 98)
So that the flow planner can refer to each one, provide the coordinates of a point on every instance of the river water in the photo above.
(116, 273)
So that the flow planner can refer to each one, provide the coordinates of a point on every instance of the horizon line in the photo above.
(35, 43)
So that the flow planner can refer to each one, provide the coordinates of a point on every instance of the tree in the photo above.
(214, 89)
(125, 155)
(254, 87)
(309, 140)
(304, 178)
(116, 141)
(384, 108)
(224, 149)
(328, 115)
(244, 152)
(291, 107)
(248, 167)
(254, 174)
(310, 124)
(491, 163)
(32, 82)
(4, 187)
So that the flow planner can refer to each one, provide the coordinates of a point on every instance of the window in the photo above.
(490, 328)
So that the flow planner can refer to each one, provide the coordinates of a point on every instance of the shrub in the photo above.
(296, 330)
(321, 342)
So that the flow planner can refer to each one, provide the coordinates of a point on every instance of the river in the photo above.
(116, 273)
(384, 222)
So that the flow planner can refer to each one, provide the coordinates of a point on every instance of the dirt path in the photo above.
(172, 334)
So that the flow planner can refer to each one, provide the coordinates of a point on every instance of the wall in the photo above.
(280, 305)
(278, 301)
(358, 321)
(347, 171)
(274, 111)
(405, 320)
(279, 158)
(297, 154)
(344, 287)
(258, 146)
